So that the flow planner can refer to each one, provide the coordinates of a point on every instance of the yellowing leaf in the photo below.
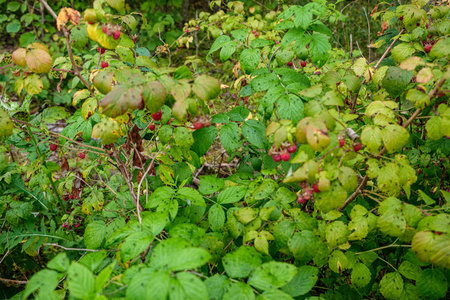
(66, 15)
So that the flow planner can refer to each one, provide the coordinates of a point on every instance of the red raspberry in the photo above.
(286, 156)
(104, 64)
(157, 116)
(104, 29)
(301, 200)
(77, 225)
(315, 188)
(401, 18)
(198, 125)
(303, 64)
(357, 146)
(290, 64)
(427, 48)
(292, 148)
(53, 147)
(71, 197)
(276, 158)
(151, 127)
(186, 31)
(81, 155)
(341, 143)
(116, 35)
(101, 50)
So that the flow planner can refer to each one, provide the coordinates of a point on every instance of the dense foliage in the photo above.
(270, 166)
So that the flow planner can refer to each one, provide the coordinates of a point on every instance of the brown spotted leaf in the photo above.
(121, 99)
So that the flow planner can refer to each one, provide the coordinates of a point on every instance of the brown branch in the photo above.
(13, 281)
(388, 49)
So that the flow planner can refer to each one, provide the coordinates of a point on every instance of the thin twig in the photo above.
(271, 57)
(388, 49)
(80, 249)
(13, 281)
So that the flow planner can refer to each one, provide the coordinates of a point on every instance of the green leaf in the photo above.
(338, 262)
(210, 184)
(44, 280)
(264, 82)
(290, 107)
(392, 223)
(119, 5)
(203, 139)
(303, 281)
(216, 217)
(227, 50)
(352, 82)
(240, 34)
(6, 126)
(135, 244)
(361, 275)
(303, 245)
(216, 286)
(255, 132)
(238, 114)
(319, 49)
(336, 233)
(441, 48)
(161, 194)
(302, 17)
(59, 263)
(242, 262)
(272, 275)
(396, 80)
(249, 60)
(13, 6)
(394, 137)
(81, 281)
(94, 234)
(53, 114)
(33, 84)
(176, 254)
(434, 128)
(192, 195)
(219, 43)
(125, 54)
(229, 137)
(187, 286)
(13, 27)
(122, 98)
(371, 138)
(409, 270)
(239, 291)
(206, 87)
(275, 295)
(391, 286)
(183, 137)
(402, 51)
(231, 194)
(432, 284)
(259, 43)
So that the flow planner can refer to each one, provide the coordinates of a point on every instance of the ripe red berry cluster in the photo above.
(305, 196)
(255, 33)
(200, 122)
(157, 115)
(112, 30)
(283, 153)
(104, 64)
(81, 155)
(101, 50)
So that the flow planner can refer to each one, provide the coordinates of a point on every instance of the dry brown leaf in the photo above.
(65, 15)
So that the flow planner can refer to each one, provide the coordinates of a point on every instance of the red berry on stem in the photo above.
(303, 64)
(441, 94)
(157, 116)
(427, 48)
(77, 225)
(277, 42)
(341, 143)
(276, 158)
(100, 50)
(315, 188)
(286, 156)
(116, 35)
(198, 125)
(53, 147)
(187, 31)
(151, 127)
(290, 64)
(357, 146)
(301, 200)
(81, 155)
(104, 29)
(104, 64)
(254, 31)
(71, 197)
(401, 18)
(292, 148)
